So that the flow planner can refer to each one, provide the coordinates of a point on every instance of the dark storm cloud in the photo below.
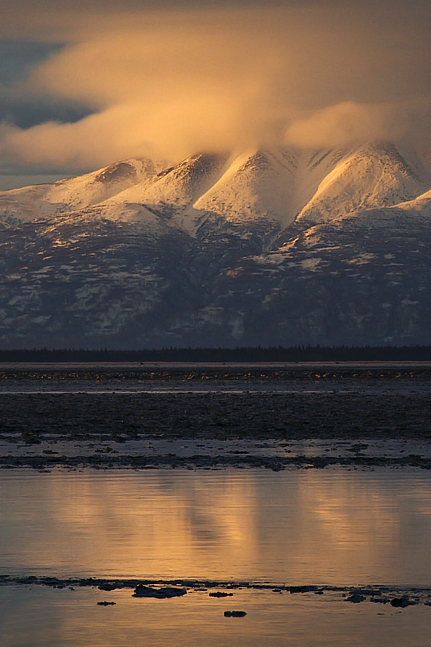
(18, 57)
(28, 112)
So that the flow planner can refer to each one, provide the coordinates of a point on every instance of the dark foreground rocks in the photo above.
(168, 589)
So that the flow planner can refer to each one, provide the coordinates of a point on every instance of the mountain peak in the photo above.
(47, 200)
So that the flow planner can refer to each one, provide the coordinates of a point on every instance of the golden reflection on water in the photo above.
(299, 527)
(53, 618)
(147, 525)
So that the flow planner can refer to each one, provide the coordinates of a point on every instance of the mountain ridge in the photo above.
(265, 247)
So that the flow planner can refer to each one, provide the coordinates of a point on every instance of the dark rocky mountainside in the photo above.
(266, 248)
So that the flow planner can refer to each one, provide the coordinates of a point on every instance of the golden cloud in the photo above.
(173, 83)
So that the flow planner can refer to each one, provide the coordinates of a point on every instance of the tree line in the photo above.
(237, 354)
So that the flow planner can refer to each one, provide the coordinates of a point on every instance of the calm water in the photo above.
(300, 527)
(324, 527)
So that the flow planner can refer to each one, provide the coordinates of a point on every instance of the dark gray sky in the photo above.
(86, 84)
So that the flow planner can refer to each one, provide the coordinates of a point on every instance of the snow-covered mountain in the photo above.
(372, 176)
(47, 200)
(267, 247)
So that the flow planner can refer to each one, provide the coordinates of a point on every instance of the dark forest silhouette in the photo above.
(238, 354)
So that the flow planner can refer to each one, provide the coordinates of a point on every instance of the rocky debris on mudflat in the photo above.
(164, 589)
(219, 594)
(234, 614)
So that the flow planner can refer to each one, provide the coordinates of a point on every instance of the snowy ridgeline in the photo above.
(309, 186)
(264, 247)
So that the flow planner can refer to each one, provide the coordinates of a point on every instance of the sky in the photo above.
(87, 83)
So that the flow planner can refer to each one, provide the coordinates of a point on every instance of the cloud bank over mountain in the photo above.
(171, 81)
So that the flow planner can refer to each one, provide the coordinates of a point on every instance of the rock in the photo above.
(107, 587)
(401, 602)
(142, 591)
(356, 598)
(301, 589)
(219, 594)
(105, 604)
(234, 614)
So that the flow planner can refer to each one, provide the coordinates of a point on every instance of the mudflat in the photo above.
(196, 415)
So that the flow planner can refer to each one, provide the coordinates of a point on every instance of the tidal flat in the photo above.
(289, 503)
(274, 416)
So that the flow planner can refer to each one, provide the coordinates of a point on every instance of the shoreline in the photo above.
(374, 593)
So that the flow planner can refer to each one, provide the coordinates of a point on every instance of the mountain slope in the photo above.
(264, 247)
(374, 175)
(361, 280)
